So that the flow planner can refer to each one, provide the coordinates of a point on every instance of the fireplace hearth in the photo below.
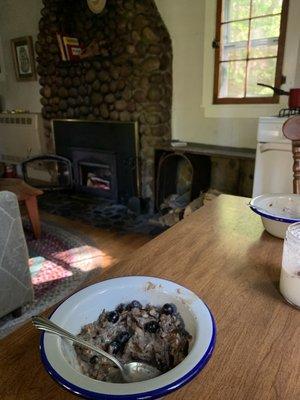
(99, 212)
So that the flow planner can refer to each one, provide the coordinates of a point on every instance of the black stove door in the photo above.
(48, 172)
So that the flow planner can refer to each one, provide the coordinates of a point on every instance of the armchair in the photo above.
(15, 281)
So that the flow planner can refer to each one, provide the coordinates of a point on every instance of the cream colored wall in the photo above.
(18, 18)
(297, 79)
(191, 24)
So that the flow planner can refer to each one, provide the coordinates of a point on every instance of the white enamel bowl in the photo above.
(277, 211)
(59, 358)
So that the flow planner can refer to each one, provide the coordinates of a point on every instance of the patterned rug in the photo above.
(59, 263)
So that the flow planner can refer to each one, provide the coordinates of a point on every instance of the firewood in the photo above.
(194, 205)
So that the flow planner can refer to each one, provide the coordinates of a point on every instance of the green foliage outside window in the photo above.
(248, 47)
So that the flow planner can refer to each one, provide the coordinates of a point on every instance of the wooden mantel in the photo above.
(211, 150)
(232, 168)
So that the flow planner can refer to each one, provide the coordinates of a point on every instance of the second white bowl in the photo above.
(277, 211)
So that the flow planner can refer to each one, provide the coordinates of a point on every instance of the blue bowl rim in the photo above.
(153, 394)
(273, 217)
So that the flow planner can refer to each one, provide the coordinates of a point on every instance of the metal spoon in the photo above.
(131, 372)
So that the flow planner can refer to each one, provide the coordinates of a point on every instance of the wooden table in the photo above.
(222, 253)
(28, 195)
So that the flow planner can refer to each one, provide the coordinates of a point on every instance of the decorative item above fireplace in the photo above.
(96, 6)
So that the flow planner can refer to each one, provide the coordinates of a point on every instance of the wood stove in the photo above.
(95, 157)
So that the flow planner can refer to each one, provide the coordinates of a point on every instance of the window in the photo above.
(249, 47)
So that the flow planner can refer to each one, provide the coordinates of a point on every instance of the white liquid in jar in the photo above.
(290, 286)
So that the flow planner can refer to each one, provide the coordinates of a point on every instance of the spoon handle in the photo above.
(49, 326)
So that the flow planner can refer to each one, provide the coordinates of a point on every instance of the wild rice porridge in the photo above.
(155, 335)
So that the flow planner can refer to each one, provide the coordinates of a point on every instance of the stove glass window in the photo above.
(95, 176)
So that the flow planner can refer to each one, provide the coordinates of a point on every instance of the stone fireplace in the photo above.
(130, 81)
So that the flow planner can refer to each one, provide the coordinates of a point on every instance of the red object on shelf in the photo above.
(294, 94)
(294, 98)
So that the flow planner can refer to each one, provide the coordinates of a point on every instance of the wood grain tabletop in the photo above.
(222, 253)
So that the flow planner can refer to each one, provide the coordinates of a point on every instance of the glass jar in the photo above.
(290, 271)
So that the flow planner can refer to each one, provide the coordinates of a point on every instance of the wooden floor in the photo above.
(112, 245)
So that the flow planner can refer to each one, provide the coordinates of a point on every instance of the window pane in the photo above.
(266, 27)
(234, 37)
(263, 48)
(262, 71)
(249, 46)
(235, 9)
(232, 79)
(264, 7)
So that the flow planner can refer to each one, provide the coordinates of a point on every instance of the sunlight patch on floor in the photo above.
(85, 258)
(54, 272)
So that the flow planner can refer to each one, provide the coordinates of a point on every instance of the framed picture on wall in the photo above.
(23, 56)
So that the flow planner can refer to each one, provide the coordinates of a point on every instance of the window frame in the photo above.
(279, 79)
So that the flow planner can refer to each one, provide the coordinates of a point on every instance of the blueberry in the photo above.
(93, 360)
(120, 308)
(133, 304)
(115, 347)
(168, 309)
(113, 316)
(123, 337)
(151, 326)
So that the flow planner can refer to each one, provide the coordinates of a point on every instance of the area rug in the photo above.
(98, 212)
(60, 261)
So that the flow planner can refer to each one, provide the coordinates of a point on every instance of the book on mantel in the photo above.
(69, 47)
